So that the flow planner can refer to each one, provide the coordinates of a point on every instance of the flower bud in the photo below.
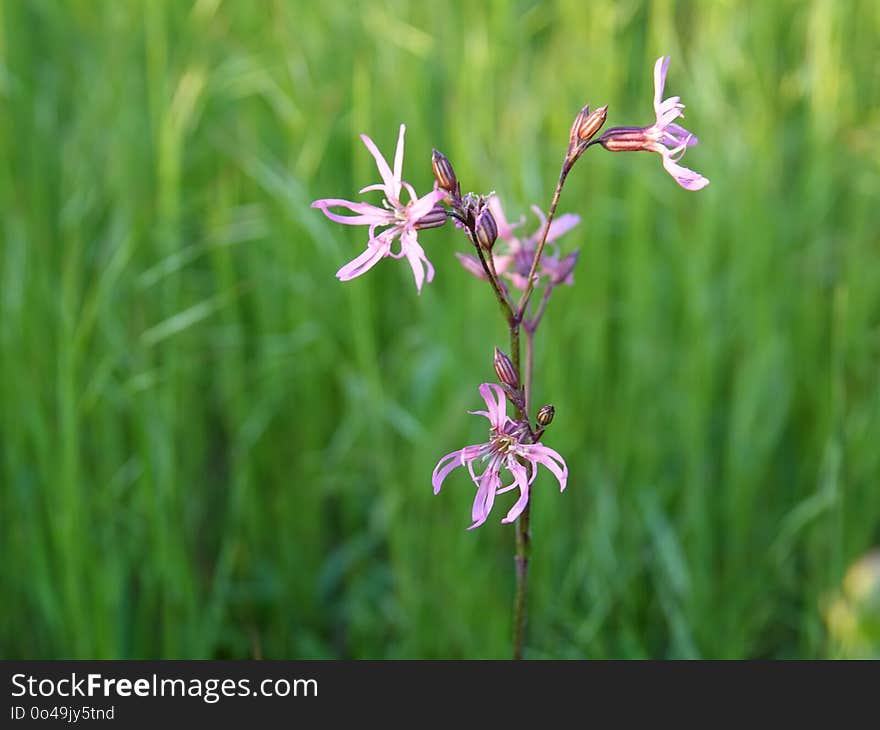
(504, 370)
(573, 137)
(434, 218)
(545, 415)
(443, 172)
(591, 123)
(626, 139)
(486, 229)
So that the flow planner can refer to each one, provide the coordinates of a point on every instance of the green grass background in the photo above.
(209, 447)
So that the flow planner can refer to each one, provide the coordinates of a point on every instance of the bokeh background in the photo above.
(209, 447)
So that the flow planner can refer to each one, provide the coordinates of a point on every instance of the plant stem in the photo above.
(506, 307)
(490, 260)
(514, 316)
(515, 319)
(530, 282)
(530, 325)
(530, 364)
(523, 533)
(523, 550)
(523, 536)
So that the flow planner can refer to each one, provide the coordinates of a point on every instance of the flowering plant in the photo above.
(507, 261)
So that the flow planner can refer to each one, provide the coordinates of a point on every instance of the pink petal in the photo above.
(548, 457)
(398, 156)
(660, 67)
(688, 179)
(497, 414)
(561, 271)
(409, 189)
(415, 254)
(377, 249)
(542, 221)
(424, 205)
(472, 453)
(470, 467)
(680, 135)
(504, 419)
(502, 261)
(669, 111)
(392, 185)
(505, 230)
(485, 497)
(519, 475)
(562, 225)
(368, 214)
(441, 472)
(472, 264)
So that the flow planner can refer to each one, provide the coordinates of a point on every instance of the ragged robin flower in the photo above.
(398, 220)
(507, 450)
(664, 136)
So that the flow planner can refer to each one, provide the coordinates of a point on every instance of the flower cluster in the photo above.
(506, 259)
(513, 257)
(507, 450)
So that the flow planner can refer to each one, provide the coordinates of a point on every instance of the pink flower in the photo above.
(512, 255)
(398, 220)
(503, 452)
(664, 136)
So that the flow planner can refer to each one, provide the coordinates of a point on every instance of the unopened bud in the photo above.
(591, 123)
(583, 114)
(504, 370)
(623, 139)
(486, 229)
(545, 415)
(443, 172)
(434, 218)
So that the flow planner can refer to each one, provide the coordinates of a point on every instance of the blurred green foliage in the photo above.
(209, 447)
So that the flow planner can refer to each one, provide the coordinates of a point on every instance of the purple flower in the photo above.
(504, 451)
(398, 220)
(513, 256)
(664, 136)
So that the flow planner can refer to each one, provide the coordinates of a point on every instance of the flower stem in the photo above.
(523, 534)
(530, 325)
(567, 164)
(530, 282)
(515, 317)
(489, 268)
(530, 365)
(523, 550)
(523, 537)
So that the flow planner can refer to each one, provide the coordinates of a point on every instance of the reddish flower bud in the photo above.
(434, 218)
(591, 123)
(504, 370)
(443, 172)
(627, 139)
(486, 229)
(545, 415)
(585, 126)
(573, 136)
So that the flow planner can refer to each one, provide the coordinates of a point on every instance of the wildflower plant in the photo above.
(523, 270)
